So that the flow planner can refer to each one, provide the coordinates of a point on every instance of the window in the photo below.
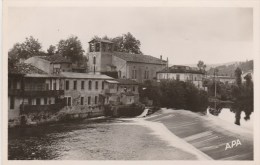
(177, 77)
(119, 74)
(75, 85)
(29, 101)
(96, 84)
(47, 87)
(134, 74)
(38, 101)
(94, 60)
(82, 101)
(134, 88)
(89, 85)
(89, 100)
(12, 102)
(96, 99)
(45, 100)
(55, 86)
(69, 101)
(103, 84)
(82, 84)
(67, 85)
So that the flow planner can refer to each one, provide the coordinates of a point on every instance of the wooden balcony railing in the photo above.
(25, 108)
(44, 93)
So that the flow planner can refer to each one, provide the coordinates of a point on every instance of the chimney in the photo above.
(161, 57)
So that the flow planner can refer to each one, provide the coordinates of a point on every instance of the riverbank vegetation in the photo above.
(174, 94)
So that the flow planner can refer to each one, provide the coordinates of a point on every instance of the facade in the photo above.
(182, 73)
(53, 64)
(32, 92)
(102, 59)
(83, 93)
(223, 79)
(122, 92)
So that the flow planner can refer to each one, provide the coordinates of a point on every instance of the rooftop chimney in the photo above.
(161, 57)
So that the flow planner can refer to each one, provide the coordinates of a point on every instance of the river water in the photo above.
(103, 139)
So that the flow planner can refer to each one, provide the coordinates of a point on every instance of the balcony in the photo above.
(43, 93)
(110, 91)
(25, 109)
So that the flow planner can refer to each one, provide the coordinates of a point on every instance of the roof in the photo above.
(221, 77)
(85, 75)
(101, 40)
(23, 68)
(126, 82)
(139, 58)
(36, 75)
(180, 69)
(57, 58)
(112, 81)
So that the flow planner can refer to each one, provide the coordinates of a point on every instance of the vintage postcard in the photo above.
(130, 80)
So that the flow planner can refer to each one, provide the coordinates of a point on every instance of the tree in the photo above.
(243, 95)
(30, 47)
(125, 43)
(51, 50)
(71, 48)
(201, 65)
(238, 73)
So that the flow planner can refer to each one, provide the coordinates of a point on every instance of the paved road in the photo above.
(209, 137)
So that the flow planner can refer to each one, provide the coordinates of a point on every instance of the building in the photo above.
(53, 64)
(103, 59)
(84, 93)
(122, 92)
(223, 79)
(182, 73)
(32, 92)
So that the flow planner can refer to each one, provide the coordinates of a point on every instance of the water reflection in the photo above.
(228, 115)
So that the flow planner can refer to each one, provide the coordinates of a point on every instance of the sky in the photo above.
(183, 34)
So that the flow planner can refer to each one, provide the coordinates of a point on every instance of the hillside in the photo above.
(229, 69)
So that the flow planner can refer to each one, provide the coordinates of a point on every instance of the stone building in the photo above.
(31, 91)
(121, 92)
(103, 59)
(83, 93)
(182, 73)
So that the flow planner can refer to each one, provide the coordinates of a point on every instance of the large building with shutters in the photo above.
(103, 59)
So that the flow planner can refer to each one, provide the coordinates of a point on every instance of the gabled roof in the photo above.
(23, 68)
(126, 82)
(84, 75)
(57, 58)
(139, 58)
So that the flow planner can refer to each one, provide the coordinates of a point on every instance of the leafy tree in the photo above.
(201, 65)
(238, 73)
(176, 94)
(243, 96)
(125, 43)
(51, 50)
(30, 47)
(71, 48)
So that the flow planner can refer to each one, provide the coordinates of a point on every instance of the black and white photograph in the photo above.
(131, 82)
